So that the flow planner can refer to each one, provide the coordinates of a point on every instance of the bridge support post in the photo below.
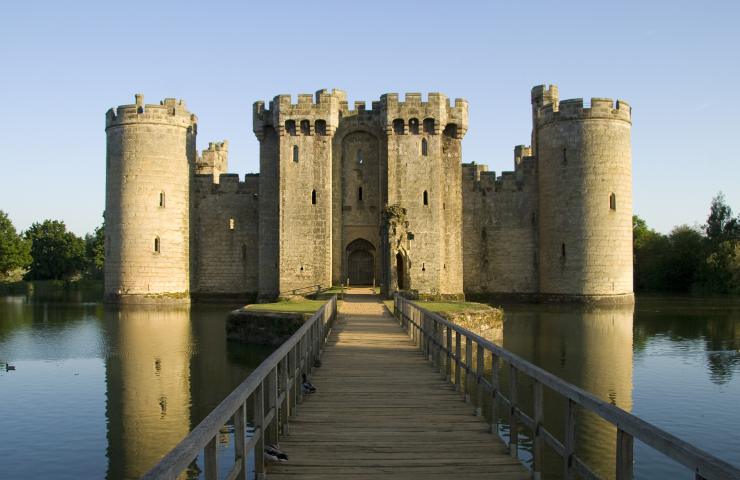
(513, 422)
(479, 360)
(468, 369)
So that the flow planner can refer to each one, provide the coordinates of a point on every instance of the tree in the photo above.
(14, 250)
(684, 259)
(56, 253)
(721, 226)
(95, 252)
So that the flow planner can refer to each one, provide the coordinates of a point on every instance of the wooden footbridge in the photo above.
(403, 402)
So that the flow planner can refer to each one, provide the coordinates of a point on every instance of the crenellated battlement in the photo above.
(544, 95)
(217, 146)
(228, 183)
(433, 116)
(306, 114)
(400, 117)
(574, 109)
(169, 111)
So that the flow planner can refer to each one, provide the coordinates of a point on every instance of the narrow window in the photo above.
(562, 250)
(426, 198)
(613, 201)
(565, 155)
(156, 245)
(414, 126)
(398, 126)
(359, 194)
(313, 197)
(161, 199)
(290, 127)
(424, 147)
(360, 159)
(295, 153)
(305, 127)
(232, 224)
(320, 127)
(244, 252)
(429, 125)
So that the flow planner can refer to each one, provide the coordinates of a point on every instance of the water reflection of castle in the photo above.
(148, 386)
(167, 368)
(589, 347)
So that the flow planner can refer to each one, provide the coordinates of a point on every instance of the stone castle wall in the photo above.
(500, 229)
(225, 236)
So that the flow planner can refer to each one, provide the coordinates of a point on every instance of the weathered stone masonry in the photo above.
(376, 195)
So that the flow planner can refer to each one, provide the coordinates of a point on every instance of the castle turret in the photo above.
(149, 160)
(214, 160)
(295, 211)
(585, 197)
(424, 141)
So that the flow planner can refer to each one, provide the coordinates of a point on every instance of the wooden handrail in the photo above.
(433, 334)
(274, 388)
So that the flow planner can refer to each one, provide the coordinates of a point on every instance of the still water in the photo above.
(101, 392)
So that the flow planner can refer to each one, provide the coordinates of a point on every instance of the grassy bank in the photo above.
(288, 306)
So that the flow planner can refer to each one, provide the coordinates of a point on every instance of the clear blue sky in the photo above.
(63, 64)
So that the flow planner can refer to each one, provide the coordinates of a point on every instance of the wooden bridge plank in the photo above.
(382, 411)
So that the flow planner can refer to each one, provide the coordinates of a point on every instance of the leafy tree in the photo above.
(56, 253)
(721, 226)
(14, 250)
(95, 252)
(684, 259)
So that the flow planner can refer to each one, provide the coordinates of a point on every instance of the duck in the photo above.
(9, 367)
(308, 387)
(274, 454)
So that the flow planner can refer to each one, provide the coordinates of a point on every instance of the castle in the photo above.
(369, 196)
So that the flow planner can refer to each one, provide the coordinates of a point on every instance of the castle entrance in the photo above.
(361, 262)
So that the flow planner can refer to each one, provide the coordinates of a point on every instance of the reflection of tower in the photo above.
(148, 385)
(591, 348)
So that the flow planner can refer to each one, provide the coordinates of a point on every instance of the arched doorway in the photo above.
(361, 262)
(400, 272)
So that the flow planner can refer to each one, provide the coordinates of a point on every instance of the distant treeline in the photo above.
(47, 251)
(702, 259)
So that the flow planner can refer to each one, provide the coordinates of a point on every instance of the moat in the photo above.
(101, 392)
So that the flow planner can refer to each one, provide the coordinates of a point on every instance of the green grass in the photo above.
(445, 307)
(301, 306)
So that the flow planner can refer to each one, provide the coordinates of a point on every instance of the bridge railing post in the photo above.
(258, 419)
(513, 421)
(448, 362)
(240, 445)
(468, 369)
(458, 352)
(479, 372)
(210, 460)
(569, 440)
(285, 408)
(494, 392)
(271, 429)
(539, 438)
(625, 449)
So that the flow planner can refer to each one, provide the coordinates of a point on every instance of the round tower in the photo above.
(585, 199)
(149, 159)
